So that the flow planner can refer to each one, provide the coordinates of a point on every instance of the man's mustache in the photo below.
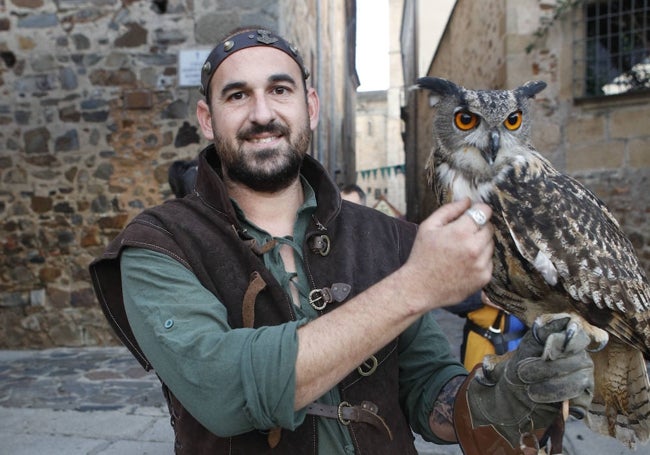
(270, 128)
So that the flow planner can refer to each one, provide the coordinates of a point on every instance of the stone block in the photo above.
(629, 123)
(113, 222)
(67, 142)
(37, 297)
(639, 153)
(44, 20)
(586, 128)
(36, 140)
(41, 204)
(138, 99)
(14, 299)
(135, 36)
(599, 155)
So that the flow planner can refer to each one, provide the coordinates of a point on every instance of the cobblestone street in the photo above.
(99, 401)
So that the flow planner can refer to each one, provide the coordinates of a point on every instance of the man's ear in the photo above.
(313, 107)
(205, 119)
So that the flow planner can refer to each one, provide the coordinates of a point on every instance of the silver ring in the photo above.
(477, 215)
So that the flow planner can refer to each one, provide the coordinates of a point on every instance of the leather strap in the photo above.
(255, 286)
(495, 336)
(366, 412)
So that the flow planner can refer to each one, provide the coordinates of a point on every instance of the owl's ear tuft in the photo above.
(531, 88)
(438, 85)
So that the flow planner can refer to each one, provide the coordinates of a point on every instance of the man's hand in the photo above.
(522, 391)
(451, 257)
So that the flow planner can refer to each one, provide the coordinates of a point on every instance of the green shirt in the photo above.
(237, 380)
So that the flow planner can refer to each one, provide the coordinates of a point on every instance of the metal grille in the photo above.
(611, 46)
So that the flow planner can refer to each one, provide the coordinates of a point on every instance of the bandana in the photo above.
(243, 40)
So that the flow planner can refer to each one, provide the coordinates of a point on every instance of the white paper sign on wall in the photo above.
(190, 62)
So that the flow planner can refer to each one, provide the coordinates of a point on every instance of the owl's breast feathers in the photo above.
(557, 245)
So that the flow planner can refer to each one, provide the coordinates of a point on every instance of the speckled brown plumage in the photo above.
(557, 246)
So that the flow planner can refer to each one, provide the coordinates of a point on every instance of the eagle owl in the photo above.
(558, 249)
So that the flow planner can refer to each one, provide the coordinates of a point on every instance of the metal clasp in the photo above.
(368, 367)
(339, 412)
(493, 330)
(319, 295)
(321, 244)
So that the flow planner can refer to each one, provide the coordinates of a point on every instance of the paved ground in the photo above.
(99, 401)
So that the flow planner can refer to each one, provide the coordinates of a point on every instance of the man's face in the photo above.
(260, 119)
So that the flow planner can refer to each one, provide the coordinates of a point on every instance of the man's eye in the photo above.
(237, 96)
(280, 90)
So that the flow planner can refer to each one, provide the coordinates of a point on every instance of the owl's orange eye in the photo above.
(513, 121)
(465, 121)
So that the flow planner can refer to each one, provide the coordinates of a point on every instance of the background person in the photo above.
(487, 330)
(353, 193)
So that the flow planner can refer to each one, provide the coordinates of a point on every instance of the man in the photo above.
(181, 176)
(353, 193)
(282, 321)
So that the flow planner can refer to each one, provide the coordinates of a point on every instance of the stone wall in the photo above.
(605, 143)
(91, 116)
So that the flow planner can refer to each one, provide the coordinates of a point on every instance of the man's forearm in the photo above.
(450, 259)
(334, 344)
(441, 419)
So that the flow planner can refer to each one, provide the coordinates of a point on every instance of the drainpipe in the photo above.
(334, 136)
(319, 81)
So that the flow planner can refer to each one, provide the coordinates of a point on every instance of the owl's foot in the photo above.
(598, 337)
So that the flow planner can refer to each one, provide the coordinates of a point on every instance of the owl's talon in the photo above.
(571, 329)
(577, 412)
(598, 348)
(534, 329)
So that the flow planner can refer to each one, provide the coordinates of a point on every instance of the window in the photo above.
(611, 48)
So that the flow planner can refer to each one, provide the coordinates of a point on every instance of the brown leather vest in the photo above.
(202, 232)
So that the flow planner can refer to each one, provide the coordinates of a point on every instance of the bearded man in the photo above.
(281, 319)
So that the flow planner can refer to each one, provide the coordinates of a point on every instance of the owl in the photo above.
(558, 249)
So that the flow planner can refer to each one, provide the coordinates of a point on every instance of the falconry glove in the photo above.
(510, 400)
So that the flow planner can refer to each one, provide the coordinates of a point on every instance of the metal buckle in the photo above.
(370, 365)
(339, 412)
(316, 295)
(493, 330)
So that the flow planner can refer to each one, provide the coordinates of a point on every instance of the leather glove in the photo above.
(521, 391)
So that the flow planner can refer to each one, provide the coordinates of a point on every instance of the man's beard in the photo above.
(267, 170)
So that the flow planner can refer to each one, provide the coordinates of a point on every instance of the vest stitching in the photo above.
(124, 337)
(160, 249)
(356, 441)
(153, 225)
(314, 425)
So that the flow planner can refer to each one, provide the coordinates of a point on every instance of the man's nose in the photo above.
(261, 111)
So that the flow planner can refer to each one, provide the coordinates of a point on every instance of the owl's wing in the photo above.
(569, 236)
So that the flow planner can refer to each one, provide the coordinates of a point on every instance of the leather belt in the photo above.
(345, 413)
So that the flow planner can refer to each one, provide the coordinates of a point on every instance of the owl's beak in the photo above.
(491, 153)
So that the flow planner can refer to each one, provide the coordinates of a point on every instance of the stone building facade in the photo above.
(92, 113)
(380, 152)
(604, 141)
(379, 145)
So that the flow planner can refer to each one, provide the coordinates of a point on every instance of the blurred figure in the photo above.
(181, 176)
(487, 330)
(353, 193)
